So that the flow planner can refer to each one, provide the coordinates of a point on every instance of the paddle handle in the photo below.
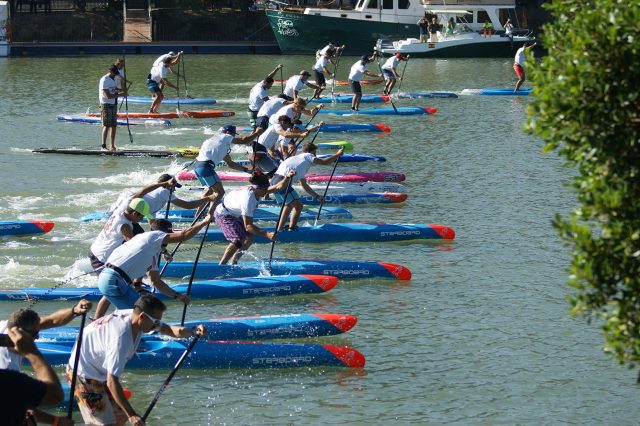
(335, 72)
(126, 96)
(198, 216)
(402, 76)
(74, 375)
(168, 380)
(193, 273)
(184, 77)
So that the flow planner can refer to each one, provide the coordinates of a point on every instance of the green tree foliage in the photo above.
(587, 108)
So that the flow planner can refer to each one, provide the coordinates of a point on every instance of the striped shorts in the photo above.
(109, 115)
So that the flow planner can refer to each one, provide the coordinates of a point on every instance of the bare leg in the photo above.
(356, 101)
(112, 147)
(245, 246)
(296, 209)
(102, 307)
(285, 214)
(228, 253)
(105, 131)
(520, 81)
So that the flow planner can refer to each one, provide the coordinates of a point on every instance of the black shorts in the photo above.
(109, 115)
(355, 87)
(320, 80)
(262, 122)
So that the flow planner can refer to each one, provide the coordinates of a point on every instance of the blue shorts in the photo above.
(116, 289)
(206, 173)
(262, 122)
(153, 86)
(388, 75)
(292, 195)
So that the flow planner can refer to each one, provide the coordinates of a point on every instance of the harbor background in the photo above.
(480, 335)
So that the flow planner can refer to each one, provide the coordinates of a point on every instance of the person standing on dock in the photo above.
(258, 96)
(108, 96)
(518, 65)
(301, 164)
(358, 70)
(234, 216)
(296, 83)
(157, 79)
(107, 345)
(423, 25)
(390, 73)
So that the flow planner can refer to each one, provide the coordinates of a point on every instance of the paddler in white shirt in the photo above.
(157, 80)
(390, 72)
(319, 68)
(213, 151)
(107, 345)
(358, 70)
(139, 256)
(294, 111)
(234, 215)
(263, 154)
(269, 108)
(300, 164)
(296, 83)
(258, 96)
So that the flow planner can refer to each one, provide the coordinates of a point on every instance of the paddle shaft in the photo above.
(281, 82)
(275, 233)
(164, 268)
(178, 90)
(382, 75)
(309, 122)
(74, 375)
(193, 272)
(326, 189)
(168, 380)
(126, 96)
(184, 77)
(166, 212)
(402, 76)
(335, 71)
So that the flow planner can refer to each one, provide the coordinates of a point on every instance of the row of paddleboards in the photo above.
(24, 227)
(312, 177)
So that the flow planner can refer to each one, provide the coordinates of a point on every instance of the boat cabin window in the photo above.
(373, 4)
(467, 18)
(403, 4)
(387, 4)
(483, 17)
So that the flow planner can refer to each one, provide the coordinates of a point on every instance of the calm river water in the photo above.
(481, 335)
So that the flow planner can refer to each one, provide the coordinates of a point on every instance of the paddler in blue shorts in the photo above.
(300, 164)
(157, 79)
(390, 72)
(358, 70)
(213, 151)
(234, 215)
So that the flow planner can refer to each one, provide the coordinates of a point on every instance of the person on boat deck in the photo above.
(433, 29)
(423, 25)
(258, 96)
(213, 151)
(108, 97)
(234, 215)
(319, 68)
(107, 345)
(390, 72)
(263, 153)
(30, 322)
(123, 83)
(269, 108)
(139, 256)
(487, 29)
(450, 28)
(296, 83)
(294, 111)
(358, 70)
(21, 393)
(301, 164)
(508, 28)
(157, 80)
(518, 65)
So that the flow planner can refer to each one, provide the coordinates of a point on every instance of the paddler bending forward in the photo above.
(301, 164)
(234, 215)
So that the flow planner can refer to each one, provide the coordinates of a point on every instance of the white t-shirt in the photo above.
(215, 148)
(322, 62)
(157, 200)
(110, 85)
(256, 97)
(110, 237)
(520, 58)
(390, 63)
(285, 110)
(268, 108)
(270, 136)
(300, 163)
(239, 202)
(161, 59)
(294, 83)
(158, 72)
(357, 71)
(107, 346)
(139, 255)
(8, 360)
(325, 49)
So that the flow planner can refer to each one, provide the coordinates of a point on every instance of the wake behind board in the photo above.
(497, 92)
(184, 101)
(382, 111)
(431, 95)
(120, 121)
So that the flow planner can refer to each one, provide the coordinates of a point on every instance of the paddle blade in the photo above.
(325, 282)
(429, 111)
(341, 322)
(383, 127)
(444, 231)
(349, 357)
(398, 271)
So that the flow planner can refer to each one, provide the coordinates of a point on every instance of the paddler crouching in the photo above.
(234, 215)
(139, 256)
(107, 345)
(300, 164)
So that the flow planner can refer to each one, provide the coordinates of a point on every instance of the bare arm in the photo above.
(154, 277)
(308, 189)
(118, 395)
(246, 139)
(185, 234)
(272, 73)
(282, 184)
(329, 160)
(152, 187)
(233, 165)
(191, 204)
(64, 316)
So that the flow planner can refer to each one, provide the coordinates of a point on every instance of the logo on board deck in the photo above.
(345, 272)
(281, 360)
(285, 28)
(266, 290)
(11, 226)
(398, 233)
